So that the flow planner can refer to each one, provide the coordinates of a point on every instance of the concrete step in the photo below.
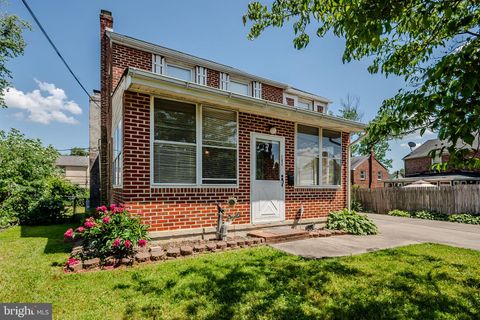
(275, 236)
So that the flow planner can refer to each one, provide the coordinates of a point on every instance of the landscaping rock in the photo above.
(76, 267)
(110, 261)
(232, 244)
(157, 253)
(314, 234)
(128, 261)
(199, 248)
(249, 242)
(324, 233)
(173, 252)
(256, 240)
(221, 245)
(91, 263)
(186, 251)
(77, 250)
(142, 256)
(211, 246)
(240, 242)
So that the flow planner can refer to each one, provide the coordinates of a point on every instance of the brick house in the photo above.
(368, 172)
(180, 134)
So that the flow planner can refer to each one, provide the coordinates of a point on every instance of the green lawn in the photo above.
(420, 281)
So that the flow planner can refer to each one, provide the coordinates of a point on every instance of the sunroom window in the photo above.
(193, 145)
(318, 158)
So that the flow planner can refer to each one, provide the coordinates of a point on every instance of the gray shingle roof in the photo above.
(432, 144)
(72, 161)
(356, 161)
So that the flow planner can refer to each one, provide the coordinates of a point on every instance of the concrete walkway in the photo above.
(394, 232)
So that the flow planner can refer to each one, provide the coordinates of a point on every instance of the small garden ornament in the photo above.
(222, 226)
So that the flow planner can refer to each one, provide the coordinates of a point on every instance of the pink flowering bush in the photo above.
(113, 232)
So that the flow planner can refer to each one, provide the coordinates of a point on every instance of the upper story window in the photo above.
(318, 157)
(224, 80)
(363, 175)
(304, 104)
(158, 64)
(257, 89)
(379, 175)
(238, 87)
(179, 72)
(201, 75)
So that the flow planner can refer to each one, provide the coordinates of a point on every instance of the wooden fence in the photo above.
(447, 199)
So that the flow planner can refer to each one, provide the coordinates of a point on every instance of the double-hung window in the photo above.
(193, 145)
(224, 80)
(257, 89)
(158, 64)
(318, 159)
(238, 87)
(304, 104)
(201, 75)
(362, 175)
(117, 155)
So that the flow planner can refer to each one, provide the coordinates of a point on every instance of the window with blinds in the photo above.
(219, 146)
(193, 146)
(174, 150)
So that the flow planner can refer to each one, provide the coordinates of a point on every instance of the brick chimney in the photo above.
(106, 24)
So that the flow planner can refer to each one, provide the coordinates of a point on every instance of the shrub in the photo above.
(399, 213)
(356, 206)
(114, 232)
(351, 222)
(464, 218)
(427, 215)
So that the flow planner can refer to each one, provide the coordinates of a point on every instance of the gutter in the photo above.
(349, 173)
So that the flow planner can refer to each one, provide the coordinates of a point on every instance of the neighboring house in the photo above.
(419, 160)
(94, 147)
(418, 166)
(368, 173)
(76, 169)
(180, 134)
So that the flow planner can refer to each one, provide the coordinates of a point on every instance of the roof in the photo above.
(172, 53)
(356, 161)
(433, 144)
(443, 177)
(72, 161)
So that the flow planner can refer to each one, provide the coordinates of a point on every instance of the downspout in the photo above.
(349, 173)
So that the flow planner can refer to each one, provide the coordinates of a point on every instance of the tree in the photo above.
(350, 110)
(32, 190)
(12, 45)
(77, 151)
(433, 45)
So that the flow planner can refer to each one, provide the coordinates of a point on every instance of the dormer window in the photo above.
(201, 75)
(257, 89)
(224, 80)
(158, 63)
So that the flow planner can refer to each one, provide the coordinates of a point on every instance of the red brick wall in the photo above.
(123, 57)
(365, 183)
(213, 78)
(417, 165)
(177, 208)
(272, 93)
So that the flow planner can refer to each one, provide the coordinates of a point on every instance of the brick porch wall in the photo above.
(183, 208)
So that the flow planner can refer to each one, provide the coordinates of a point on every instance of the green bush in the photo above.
(464, 218)
(356, 206)
(114, 232)
(427, 215)
(351, 222)
(399, 213)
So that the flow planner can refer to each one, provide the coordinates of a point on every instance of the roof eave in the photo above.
(149, 82)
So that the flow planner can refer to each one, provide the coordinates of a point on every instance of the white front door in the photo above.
(267, 178)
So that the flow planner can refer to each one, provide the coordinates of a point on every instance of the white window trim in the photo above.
(379, 175)
(199, 145)
(295, 99)
(310, 105)
(192, 71)
(364, 175)
(201, 75)
(320, 165)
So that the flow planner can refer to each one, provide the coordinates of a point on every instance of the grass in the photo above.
(414, 282)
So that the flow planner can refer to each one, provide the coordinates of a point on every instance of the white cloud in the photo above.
(43, 105)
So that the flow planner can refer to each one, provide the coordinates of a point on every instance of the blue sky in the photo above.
(210, 29)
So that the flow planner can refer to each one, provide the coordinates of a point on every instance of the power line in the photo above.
(57, 51)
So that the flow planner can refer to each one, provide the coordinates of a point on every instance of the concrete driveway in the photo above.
(394, 232)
